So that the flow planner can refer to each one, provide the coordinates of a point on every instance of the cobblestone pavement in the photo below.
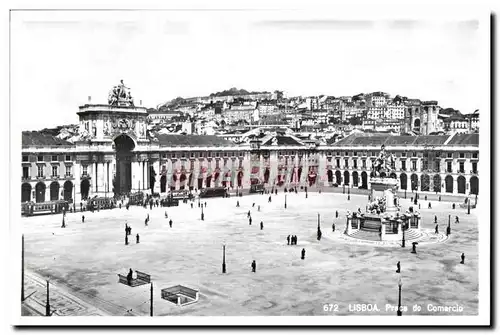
(62, 303)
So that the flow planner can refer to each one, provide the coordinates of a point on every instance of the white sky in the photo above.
(58, 59)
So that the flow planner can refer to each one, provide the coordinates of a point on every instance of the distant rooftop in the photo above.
(37, 138)
(192, 140)
(376, 139)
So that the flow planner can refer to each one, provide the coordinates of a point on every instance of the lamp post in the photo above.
(223, 258)
(399, 312)
(285, 201)
(405, 193)
(403, 229)
(151, 300)
(47, 305)
(348, 193)
(202, 214)
(468, 205)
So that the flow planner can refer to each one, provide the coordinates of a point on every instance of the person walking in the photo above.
(437, 230)
(170, 223)
(399, 267)
(288, 240)
(463, 258)
(254, 266)
(83, 218)
(137, 238)
(303, 254)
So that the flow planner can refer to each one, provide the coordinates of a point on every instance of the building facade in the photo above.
(115, 154)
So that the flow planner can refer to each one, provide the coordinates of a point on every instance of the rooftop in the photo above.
(37, 138)
(192, 140)
(376, 139)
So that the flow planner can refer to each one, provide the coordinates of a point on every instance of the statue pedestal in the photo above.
(348, 228)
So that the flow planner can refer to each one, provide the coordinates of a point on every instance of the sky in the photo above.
(59, 59)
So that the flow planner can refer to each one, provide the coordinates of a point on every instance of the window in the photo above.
(54, 158)
(225, 153)
(355, 154)
(414, 154)
(373, 153)
(403, 154)
(209, 154)
(425, 165)
(217, 154)
(364, 163)
(68, 171)
(474, 167)
(474, 155)
(84, 170)
(192, 154)
(338, 162)
(202, 154)
(437, 165)
(338, 153)
(183, 155)
(346, 161)
(40, 158)
(355, 163)
(449, 154)
(40, 171)
(448, 167)
(414, 165)
(403, 165)
(54, 171)
(26, 172)
(164, 155)
(67, 158)
(462, 155)
(346, 153)
(25, 159)
(241, 153)
(172, 155)
(461, 167)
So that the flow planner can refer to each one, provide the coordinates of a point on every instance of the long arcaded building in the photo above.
(116, 154)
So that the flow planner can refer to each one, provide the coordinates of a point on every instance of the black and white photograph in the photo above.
(317, 165)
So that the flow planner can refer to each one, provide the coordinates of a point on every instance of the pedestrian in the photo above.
(456, 219)
(146, 222)
(463, 258)
(435, 219)
(170, 223)
(295, 240)
(258, 208)
(261, 225)
(126, 239)
(414, 248)
(430, 206)
(448, 231)
(205, 204)
(269, 199)
(303, 254)
(250, 221)
(254, 266)
(248, 214)
(253, 205)
(166, 215)
(425, 198)
(411, 199)
(120, 205)
(453, 206)
(129, 278)
(63, 223)
(419, 205)
(191, 205)
(399, 267)
(237, 203)
(137, 238)
(333, 227)
(288, 240)
(336, 214)
(440, 198)
(83, 218)
(147, 217)
(437, 229)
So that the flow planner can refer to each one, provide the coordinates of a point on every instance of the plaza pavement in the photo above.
(84, 259)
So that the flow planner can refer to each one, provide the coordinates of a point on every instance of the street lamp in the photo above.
(285, 201)
(348, 193)
(468, 204)
(223, 258)
(403, 229)
(202, 214)
(399, 312)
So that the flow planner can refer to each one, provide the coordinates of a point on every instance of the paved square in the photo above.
(85, 258)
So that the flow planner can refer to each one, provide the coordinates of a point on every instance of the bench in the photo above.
(142, 279)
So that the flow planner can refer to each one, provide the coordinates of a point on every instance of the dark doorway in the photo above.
(266, 176)
(330, 176)
(403, 181)
(84, 189)
(123, 147)
(68, 190)
(40, 192)
(437, 183)
(152, 178)
(25, 192)
(163, 184)
(364, 180)
(355, 179)
(338, 177)
(474, 185)
(461, 184)
(240, 179)
(54, 191)
(448, 184)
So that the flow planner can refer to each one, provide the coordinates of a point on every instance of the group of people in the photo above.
(291, 240)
